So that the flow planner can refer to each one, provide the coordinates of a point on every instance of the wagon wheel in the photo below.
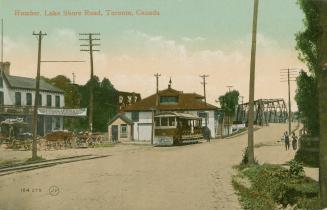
(90, 141)
(99, 139)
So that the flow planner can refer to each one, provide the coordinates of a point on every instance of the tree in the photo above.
(228, 103)
(322, 91)
(312, 46)
(307, 101)
(105, 102)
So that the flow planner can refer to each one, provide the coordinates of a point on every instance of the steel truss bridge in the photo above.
(265, 111)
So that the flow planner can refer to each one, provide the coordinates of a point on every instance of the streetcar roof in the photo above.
(178, 114)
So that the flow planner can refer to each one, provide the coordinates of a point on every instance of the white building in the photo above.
(170, 100)
(17, 95)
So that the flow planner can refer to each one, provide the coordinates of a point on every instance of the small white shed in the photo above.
(120, 129)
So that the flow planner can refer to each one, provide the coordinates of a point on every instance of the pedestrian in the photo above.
(294, 141)
(283, 137)
(287, 141)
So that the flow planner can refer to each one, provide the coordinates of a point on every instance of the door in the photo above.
(145, 131)
(114, 133)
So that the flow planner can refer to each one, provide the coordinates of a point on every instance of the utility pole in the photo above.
(252, 82)
(1, 48)
(74, 76)
(242, 97)
(157, 90)
(229, 87)
(90, 38)
(204, 87)
(37, 90)
(290, 76)
(204, 94)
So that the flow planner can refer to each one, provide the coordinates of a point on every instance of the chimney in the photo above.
(5, 67)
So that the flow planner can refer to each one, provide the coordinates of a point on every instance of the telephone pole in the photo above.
(37, 90)
(290, 76)
(74, 76)
(204, 86)
(157, 90)
(1, 47)
(252, 82)
(90, 38)
(229, 87)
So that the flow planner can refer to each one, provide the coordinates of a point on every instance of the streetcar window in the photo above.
(171, 121)
(157, 121)
(164, 121)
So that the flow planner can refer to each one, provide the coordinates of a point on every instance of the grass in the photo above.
(104, 145)
(13, 162)
(8, 163)
(273, 187)
(38, 159)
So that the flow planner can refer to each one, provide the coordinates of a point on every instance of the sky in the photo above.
(188, 38)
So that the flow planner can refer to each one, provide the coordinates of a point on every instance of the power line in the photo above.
(90, 38)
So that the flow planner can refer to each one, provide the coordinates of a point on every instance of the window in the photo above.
(123, 131)
(2, 100)
(203, 115)
(157, 121)
(1, 82)
(57, 119)
(49, 100)
(164, 121)
(171, 121)
(29, 99)
(57, 101)
(169, 99)
(18, 99)
(40, 100)
(135, 116)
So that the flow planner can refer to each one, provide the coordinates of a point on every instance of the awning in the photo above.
(63, 112)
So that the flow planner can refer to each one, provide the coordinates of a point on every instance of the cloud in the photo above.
(147, 54)
(187, 39)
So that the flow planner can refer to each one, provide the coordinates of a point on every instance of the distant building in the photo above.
(17, 96)
(169, 100)
(127, 98)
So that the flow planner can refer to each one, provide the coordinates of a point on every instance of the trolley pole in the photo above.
(36, 98)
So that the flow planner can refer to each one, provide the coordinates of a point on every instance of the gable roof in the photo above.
(121, 116)
(186, 101)
(29, 83)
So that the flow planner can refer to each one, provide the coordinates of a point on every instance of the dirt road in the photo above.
(142, 177)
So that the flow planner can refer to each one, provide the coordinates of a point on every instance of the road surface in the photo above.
(141, 177)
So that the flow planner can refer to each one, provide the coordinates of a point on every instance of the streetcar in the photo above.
(174, 128)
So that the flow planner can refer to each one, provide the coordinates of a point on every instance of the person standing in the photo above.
(294, 141)
(287, 141)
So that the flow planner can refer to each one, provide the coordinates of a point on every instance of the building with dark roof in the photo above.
(17, 95)
(169, 100)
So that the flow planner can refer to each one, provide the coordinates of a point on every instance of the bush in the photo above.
(280, 185)
(296, 169)
(308, 152)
